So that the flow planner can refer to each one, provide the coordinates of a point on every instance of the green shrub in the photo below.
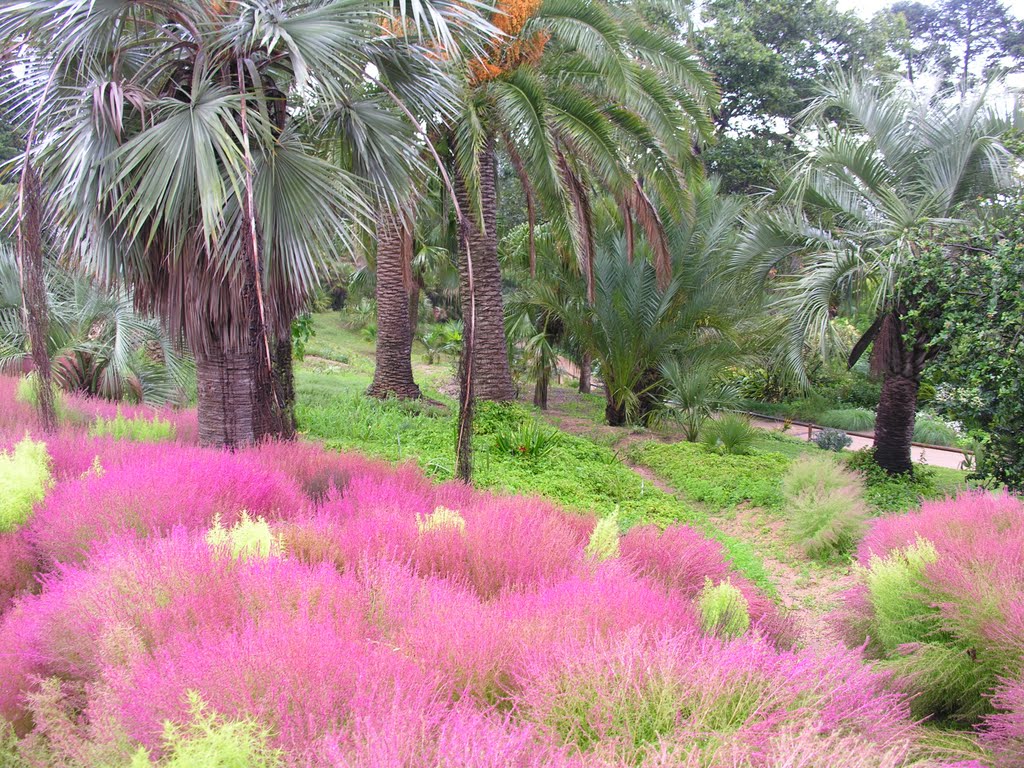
(893, 493)
(249, 538)
(24, 478)
(834, 440)
(211, 740)
(604, 539)
(527, 440)
(730, 433)
(849, 419)
(940, 671)
(136, 430)
(825, 507)
(933, 431)
(723, 610)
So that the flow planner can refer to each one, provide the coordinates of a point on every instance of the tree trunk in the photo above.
(284, 376)
(33, 291)
(492, 377)
(226, 397)
(392, 373)
(613, 414)
(540, 389)
(414, 308)
(585, 370)
(894, 423)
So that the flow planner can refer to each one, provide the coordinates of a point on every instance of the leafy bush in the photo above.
(137, 429)
(604, 540)
(825, 506)
(441, 519)
(941, 604)
(892, 493)
(723, 610)
(24, 478)
(849, 419)
(527, 440)
(27, 392)
(211, 740)
(830, 439)
(730, 433)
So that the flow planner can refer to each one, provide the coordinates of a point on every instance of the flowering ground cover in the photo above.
(286, 605)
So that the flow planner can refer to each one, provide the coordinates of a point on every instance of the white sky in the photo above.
(867, 8)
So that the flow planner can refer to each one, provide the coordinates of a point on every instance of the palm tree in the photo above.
(578, 93)
(888, 161)
(171, 145)
(97, 343)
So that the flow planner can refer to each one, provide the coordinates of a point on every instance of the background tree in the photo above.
(895, 161)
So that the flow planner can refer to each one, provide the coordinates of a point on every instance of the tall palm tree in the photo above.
(888, 160)
(171, 145)
(578, 93)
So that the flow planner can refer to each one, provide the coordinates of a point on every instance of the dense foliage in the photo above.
(965, 290)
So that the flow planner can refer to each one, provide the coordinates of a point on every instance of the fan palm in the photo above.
(168, 135)
(888, 162)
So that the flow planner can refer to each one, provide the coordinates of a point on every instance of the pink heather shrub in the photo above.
(17, 566)
(1004, 731)
(682, 559)
(631, 697)
(161, 487)
(313, 468)
(943, 601)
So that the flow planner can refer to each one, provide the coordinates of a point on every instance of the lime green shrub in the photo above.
(137, 429)
(825, 507)
(24, 478)
(604, 539)
(211, 740)
(27, 392)
(724, 610)
(249, 538)
(441, 519)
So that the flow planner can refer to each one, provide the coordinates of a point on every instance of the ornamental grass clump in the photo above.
(825, 507)
(24, 479)
(723, 610)
(249, 537)
(604, 539)
(941, 604)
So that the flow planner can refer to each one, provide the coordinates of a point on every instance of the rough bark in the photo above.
(613, 414)
(284, 377)
(226, 398)
(585, 370)
(894, 423)
(267, 402)
(392, 374)
(33, 288)
(492, 376)
(540, 390)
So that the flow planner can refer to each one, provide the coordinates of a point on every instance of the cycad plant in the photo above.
(97, 343)
(889, 162)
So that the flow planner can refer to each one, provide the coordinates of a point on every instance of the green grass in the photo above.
(721, 481)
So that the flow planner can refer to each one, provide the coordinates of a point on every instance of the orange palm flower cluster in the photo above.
(506, 53)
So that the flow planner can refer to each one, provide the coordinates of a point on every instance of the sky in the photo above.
(867, 8)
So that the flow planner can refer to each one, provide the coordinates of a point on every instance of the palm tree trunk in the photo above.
(540, 389)
(586, 364)
(392, 374)
(226, 397)
(284, 376)
(492, 377)
(894, 423)
(33, 290)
